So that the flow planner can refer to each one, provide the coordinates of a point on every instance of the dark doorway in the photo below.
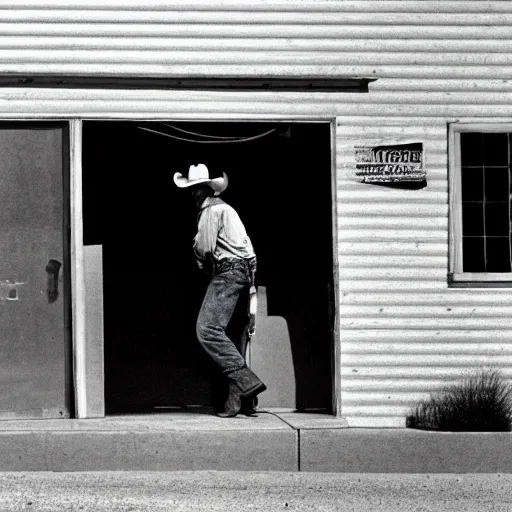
(280, 184)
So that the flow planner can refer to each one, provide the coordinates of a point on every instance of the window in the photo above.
(480, 210)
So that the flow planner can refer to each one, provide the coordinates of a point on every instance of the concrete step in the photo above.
(178, 440)
(195, 439)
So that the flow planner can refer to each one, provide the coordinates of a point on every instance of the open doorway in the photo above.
(280, 184)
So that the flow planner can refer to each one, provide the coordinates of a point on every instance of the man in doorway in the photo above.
(222, 247)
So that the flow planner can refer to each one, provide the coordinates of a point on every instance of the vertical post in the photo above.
(77, 270)
(336, 341)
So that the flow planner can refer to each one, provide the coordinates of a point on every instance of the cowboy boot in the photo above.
(243, 384)
(233, 402)
(219, 393)
(249, 406)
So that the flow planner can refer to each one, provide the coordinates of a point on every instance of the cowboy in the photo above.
(222, 243)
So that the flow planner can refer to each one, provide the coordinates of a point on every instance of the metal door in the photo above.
(33, 268)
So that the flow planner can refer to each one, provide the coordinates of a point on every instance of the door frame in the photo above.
(87, 402)
(79, 315)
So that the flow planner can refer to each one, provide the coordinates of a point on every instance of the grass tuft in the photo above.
(481, 402)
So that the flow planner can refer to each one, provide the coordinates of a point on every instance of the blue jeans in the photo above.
(230, 278)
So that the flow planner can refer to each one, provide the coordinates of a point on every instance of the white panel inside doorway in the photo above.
(271, 357)
(94, 367)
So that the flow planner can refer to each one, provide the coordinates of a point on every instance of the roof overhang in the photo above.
(285, 84)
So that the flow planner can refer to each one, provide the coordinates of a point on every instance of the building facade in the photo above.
(420, 176)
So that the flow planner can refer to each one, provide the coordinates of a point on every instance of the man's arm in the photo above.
(253, 299)
(252, 268)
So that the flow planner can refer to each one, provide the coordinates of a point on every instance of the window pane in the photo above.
(472, 219)
(497, 219)
(495, 149)
(471, 148)
(473, 254)
(486, 194)
(498, 254)
(472, 184)
(496, 184)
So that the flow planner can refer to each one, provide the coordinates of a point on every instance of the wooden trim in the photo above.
(455, 204)
(481, 127)
(83, 401)
(66, 227)
(457, 277)
(77, 270)
(336, 341)
(481, 276)
(481, 284)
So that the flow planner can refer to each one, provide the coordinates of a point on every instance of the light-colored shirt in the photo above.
(221, 234)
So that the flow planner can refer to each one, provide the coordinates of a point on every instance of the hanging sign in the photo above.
(390, 163)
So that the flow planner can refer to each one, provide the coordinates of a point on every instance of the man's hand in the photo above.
(251, 326)
(253, 307)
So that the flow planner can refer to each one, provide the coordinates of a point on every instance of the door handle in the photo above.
(52, 281)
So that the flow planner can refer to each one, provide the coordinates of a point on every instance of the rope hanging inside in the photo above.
(230, 141)
(200, 134)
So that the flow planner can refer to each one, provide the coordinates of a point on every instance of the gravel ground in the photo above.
(265, 491)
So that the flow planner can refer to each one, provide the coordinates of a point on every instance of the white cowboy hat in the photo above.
(199, 174)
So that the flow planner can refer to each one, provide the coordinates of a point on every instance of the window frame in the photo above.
(456, 276)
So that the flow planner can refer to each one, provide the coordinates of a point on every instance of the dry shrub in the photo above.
(481, 402)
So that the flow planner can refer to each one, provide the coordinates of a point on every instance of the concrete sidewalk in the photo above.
(239, 491)
(194, 439)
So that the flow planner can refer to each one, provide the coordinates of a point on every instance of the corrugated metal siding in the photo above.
(421, 39)
(403, 333)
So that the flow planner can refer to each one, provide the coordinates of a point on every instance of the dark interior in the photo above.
(281, 187)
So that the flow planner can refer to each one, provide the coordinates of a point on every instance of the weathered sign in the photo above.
(390, 163)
